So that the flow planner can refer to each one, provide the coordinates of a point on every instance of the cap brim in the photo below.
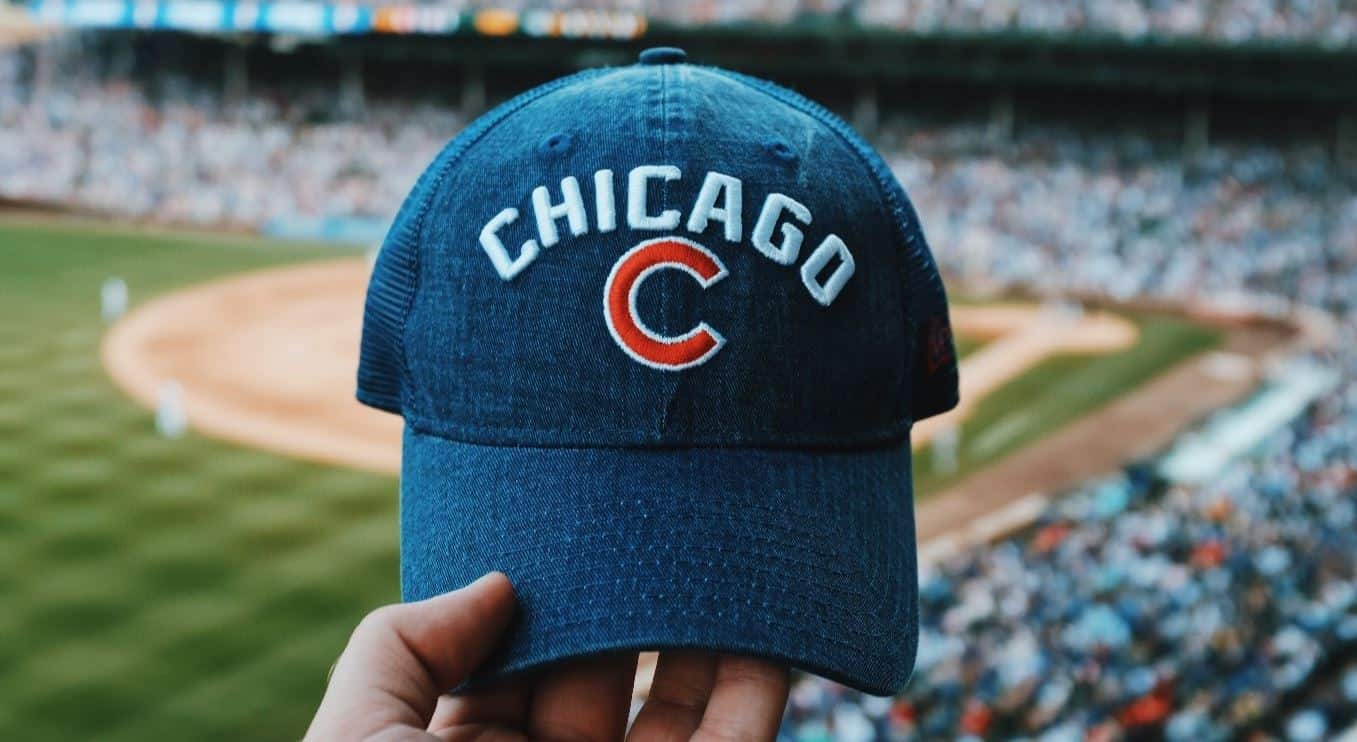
(805, 557)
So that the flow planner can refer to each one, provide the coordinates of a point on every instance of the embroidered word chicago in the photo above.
(719, 200)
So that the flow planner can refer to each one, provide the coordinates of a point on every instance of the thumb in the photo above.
(402, 657)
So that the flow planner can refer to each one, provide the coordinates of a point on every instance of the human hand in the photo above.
(390, 683)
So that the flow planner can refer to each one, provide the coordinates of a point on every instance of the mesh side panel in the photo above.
(935, 383)
(389, 294)
(933, 380)
(395, 277)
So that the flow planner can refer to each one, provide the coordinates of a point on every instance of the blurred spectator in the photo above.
(1053, 209)
(1061, 210)
(1321, 22)
(192, 157)
(1327, 22)
(1119, 626)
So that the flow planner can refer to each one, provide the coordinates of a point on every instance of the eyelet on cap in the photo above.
(556, 143)
(663, 55)
(780, 149)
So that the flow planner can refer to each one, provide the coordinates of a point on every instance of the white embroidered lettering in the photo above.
(604, 205)
(494, 247)
(572, 208)
(637, 193)
(705, 209)
(787, 251)
(720, 198)
(826, 292)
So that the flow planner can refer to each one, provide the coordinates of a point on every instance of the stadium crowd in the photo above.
(1318, 22)
(1192, 611)
(195, 158)
(1325, 22)
(1050, 207)
(1061, 209)
(1133, 604)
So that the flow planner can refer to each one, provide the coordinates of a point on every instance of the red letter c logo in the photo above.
(619, 303)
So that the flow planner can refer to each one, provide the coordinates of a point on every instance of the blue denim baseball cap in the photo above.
(659, 334)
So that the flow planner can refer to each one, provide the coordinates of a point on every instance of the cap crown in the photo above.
(658, 255)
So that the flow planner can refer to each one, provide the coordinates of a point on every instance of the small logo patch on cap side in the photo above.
(939, 351)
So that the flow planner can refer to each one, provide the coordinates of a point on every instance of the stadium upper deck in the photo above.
(1083, 208)
(1317, 23)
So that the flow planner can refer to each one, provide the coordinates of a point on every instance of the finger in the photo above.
(645, 673)
(503, 705)
(678, 696)
(494, 715)
(402, 657)
(473, 733)
(747, 700)
(586, 699)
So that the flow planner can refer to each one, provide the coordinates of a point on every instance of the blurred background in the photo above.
(1166, 545)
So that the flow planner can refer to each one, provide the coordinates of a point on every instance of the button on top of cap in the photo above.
(663, 55)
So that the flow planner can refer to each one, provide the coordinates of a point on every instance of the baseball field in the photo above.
(154, 585)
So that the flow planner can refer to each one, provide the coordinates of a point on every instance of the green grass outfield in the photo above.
(157, 589)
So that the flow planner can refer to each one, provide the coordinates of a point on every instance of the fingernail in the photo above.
(488, 577)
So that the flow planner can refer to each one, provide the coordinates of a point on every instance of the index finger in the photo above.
(584, 699)
(747, 700)
(402, 657)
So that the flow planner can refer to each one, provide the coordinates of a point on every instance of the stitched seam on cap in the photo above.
(450, 154)
(671, 385)
(886, 191)
(884, 181)
(893, 433)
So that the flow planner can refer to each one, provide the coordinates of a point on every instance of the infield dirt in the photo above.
(267, 360)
